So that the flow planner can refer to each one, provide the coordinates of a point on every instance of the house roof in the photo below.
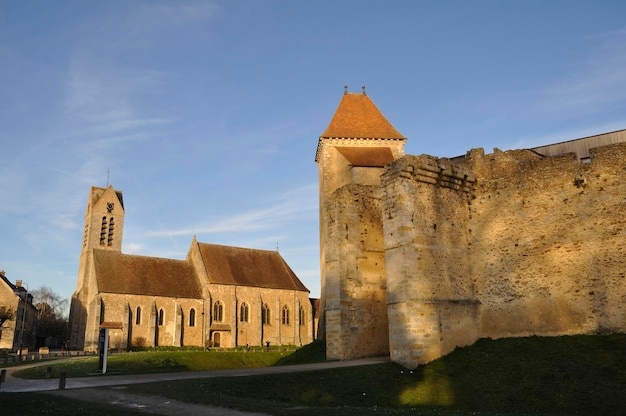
(140, 275)
(358, 117)
(248, 267)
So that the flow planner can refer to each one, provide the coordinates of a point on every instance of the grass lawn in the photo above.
(159, 362)
(583, 375)
(537, 375)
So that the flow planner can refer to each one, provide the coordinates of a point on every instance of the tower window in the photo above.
(103, 231)
(111, 229)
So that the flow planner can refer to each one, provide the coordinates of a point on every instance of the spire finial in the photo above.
(345, 89)
(363, 86)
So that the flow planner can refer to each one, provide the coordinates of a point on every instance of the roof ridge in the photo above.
(358, 117)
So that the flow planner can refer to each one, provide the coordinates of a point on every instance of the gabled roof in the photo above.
(358, 117)
(140, 275)
(248, 267)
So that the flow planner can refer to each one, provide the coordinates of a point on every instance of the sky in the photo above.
(206, 114)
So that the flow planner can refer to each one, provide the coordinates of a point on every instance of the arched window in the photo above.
(243, 312)
(111, 229)
(218, 311)
(302, 316)
(265, 314)
(103, 231)
(138, 316)
(285, 316)
(161, 317)
(192, 317)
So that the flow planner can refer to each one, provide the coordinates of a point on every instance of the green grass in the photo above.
(158, 362)
(584, 375)
(562, 375)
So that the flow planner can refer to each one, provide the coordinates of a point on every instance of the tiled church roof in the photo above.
(358, 117)
(248, 267)
(139, 275)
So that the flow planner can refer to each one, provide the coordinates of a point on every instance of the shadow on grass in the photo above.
(536, 375)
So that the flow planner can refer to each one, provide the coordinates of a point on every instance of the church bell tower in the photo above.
(104, 223)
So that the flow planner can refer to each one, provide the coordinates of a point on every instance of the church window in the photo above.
(161, 317)
(265, 314)
(103, 231)
(111, 229)
(138, 316)
(218, 311)
(192, 317)
(243, 312)
(285, 316)
(302, 316)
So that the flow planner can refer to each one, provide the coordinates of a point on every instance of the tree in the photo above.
(6, 314)
(52, 313)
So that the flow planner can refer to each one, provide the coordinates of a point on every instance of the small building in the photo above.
(18, 316)
(218, 296)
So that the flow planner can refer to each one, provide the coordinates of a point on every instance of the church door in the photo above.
(216, 340)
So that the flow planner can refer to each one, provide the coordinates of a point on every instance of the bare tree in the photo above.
(52, 315)
(6, 314)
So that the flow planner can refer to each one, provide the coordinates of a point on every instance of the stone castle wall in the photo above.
(356, 311)
(431, 295)
(507, 244)
(548, 242)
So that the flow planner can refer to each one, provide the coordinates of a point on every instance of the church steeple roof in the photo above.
(358, 117)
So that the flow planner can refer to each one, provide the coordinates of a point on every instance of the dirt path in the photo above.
(118, 396)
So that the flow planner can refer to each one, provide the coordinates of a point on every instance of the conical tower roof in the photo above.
(358, 117)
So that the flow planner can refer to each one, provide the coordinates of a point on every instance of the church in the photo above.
(218, 296)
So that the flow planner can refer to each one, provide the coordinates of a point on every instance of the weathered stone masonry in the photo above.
(507, 244)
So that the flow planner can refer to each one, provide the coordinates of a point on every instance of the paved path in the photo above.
(12, 384)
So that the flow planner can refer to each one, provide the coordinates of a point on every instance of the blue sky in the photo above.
(206, 114)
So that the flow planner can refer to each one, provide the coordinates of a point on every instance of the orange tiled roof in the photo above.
(358, 117)
(140, 275)
(248, 267)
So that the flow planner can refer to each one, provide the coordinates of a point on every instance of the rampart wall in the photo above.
(356, 303)
(499, 245)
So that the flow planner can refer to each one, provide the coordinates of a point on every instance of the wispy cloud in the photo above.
(596, 80)
(293, 205)
(174, 13)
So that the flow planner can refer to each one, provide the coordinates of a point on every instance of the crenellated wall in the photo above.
(500, 245)
(431, 296)
(549, 237)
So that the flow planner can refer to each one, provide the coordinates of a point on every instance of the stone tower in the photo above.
(351, 155)
(104, 223)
